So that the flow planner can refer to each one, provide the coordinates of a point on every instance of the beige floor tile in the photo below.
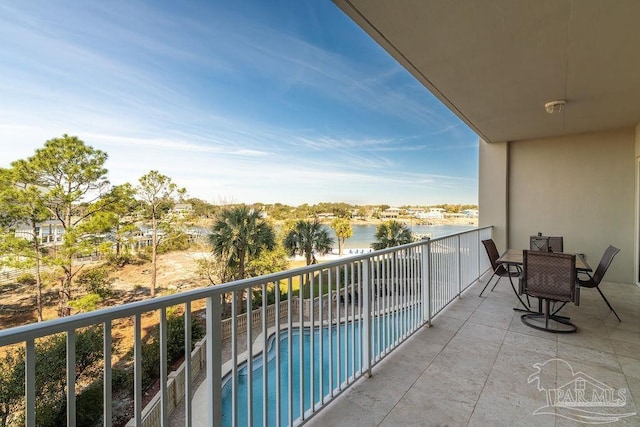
(437, 401)
(634, 389)
(483, 332)
(517, 326)
(428, 413)
(613, 324)
(614, 379)
(510, 409)
(347, 411)
(630, 366)
(443, 321)
(628, 349)
(595, 358)
(496, 319)
(626, 335)
(596, 338)
(544, 345)
(461, 313)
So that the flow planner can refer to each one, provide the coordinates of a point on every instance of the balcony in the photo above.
(349, 314)
(380, 363)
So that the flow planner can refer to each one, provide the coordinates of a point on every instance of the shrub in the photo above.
(51, 379)
(89, 405)
(51, 372)
(86, 303)
(150, 362)
(96, 281)
(26, 279)
(175, 336)
(175, 346)
(268, 262)
(122, 379)
(256, 301)
(119, 261)
(143, 256)
(174, 241)
(11, 385)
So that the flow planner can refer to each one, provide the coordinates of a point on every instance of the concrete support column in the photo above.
(493, 190)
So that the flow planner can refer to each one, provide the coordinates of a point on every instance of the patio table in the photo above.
(513, 257)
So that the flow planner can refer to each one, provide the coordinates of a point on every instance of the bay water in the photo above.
(364, 234)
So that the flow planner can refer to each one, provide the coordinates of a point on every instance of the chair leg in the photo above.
(527, 307)
(519, 270)
(607, 301)
(489, 281)
(546, 314)
(556, 311)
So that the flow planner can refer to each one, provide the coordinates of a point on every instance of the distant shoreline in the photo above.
(375, 221)
(409, 221)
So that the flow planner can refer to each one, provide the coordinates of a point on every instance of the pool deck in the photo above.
(472, 367)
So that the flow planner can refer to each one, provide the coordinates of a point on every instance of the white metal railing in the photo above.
(345, 317)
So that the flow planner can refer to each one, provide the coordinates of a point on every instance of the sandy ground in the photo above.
(176, 271)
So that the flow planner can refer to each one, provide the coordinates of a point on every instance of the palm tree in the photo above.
(392, 233)
(308, 238)
(239, 235)
(343, 229)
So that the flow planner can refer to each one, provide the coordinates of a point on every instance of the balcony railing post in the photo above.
(137, 369)
(164, 361)
(265, 338)
(30, 384)
(107, 393)
(188, 413)
(214, 360)
(478, 250)
(426, 282)
(71, 378)
(459, 264)
(429, 282)
(366, 308)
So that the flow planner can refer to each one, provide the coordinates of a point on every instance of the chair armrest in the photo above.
(586, 273)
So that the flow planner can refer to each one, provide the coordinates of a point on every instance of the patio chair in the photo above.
(556, 244)
(539, 243)
(499, 270)
(549, 277)
(594, 281)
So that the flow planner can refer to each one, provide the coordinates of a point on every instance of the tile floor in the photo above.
(472, 367)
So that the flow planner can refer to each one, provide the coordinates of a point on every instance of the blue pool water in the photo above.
(350, 363)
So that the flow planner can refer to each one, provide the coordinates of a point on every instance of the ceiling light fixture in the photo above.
(555, 106)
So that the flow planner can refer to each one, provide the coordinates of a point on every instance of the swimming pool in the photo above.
(349, 359)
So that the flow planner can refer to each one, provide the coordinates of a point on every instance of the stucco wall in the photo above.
(638, 140)
(636, 255)
(492, 190)
(581, 187)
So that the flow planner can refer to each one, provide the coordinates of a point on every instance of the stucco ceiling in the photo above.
(495, 63)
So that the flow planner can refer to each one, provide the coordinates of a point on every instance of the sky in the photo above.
(237, 101)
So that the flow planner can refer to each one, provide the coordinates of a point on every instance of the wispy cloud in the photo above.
(328, 143)
(229, 98)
